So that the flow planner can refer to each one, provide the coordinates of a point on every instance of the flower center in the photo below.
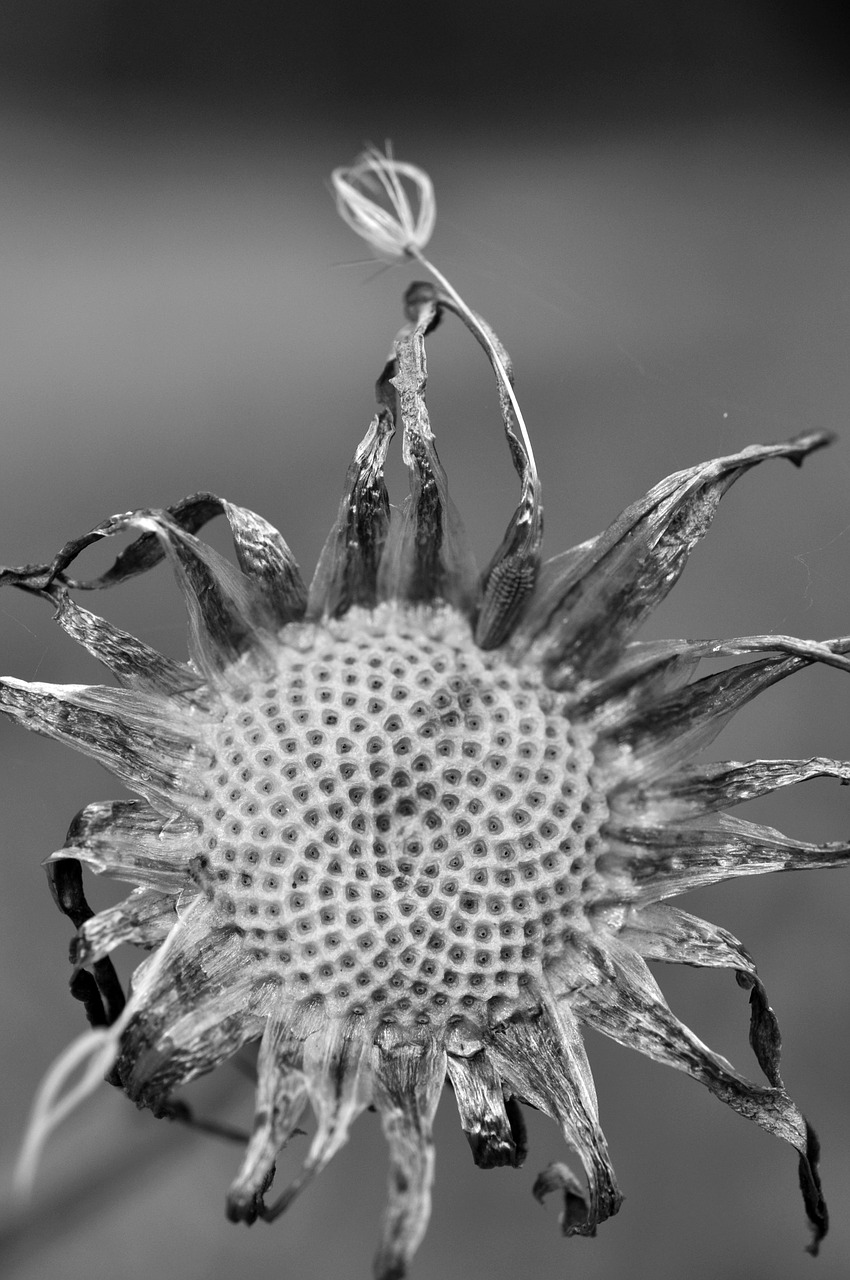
(400, 821)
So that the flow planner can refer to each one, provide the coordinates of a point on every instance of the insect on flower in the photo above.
(415, 825)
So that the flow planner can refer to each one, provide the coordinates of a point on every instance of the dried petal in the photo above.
(481, 1105)
(130, 840)
(347, 573)
(699, 789)
(429, 557)
(510, 577)
(658, 736)
(542, 1058)
(338, 1081)
(663, 861)
(560, 1178)
(648, 669)
(144, 919)
(408, 1081)
(662, 932)
(193, 1005)
(222, 612)
(617, 995)
(131, 734)
(278, 593)
(280, 1103)
(581, 621)
(134, 664)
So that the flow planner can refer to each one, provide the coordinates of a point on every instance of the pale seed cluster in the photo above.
(399, 821)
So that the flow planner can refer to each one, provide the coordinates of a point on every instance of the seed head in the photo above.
(372, 197)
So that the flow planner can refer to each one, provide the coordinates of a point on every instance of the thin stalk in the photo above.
(486, 341)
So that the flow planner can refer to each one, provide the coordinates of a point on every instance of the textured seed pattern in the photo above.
(400, 821)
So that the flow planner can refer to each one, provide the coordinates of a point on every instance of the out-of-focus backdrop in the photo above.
(650, 204)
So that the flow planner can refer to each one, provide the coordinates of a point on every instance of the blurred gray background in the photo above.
(650, 204)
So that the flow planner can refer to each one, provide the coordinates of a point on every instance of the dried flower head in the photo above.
(415, 824)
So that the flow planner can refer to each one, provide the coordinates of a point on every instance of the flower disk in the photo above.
(399, 821)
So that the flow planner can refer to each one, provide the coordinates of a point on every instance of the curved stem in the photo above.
(487, 342)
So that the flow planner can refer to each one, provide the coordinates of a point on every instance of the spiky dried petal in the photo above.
(661, 932)
(347, 572)
(663, 861)
(133, 663)
(581, 619)
(481, 1106)
(409, 1078)
(613, 991)
(699, 789)
(510, 577)
(144, 919)
(428, 558)
(543, 1060)
(281, 1100)
(130, 840)
(336, 1069)
(648, 669)
(659, 735)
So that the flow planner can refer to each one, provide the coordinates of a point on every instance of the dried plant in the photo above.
(415, 824)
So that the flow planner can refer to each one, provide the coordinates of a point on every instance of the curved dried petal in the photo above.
(558, 1177)
(428, 558)
(543, 1060)
(580, 622)
(144, 919)
(661, 932)
(408, 1081)
(337, 1077)
(658, 736)
(267, 591)
(347, 572)
(222, 610)
(613, 991)
(263, 556)
(130, 840)
(481, 1105)
(509, 579)
(281, 1099)
(194, 1004)
(648, 669)
(277, 590)
(134, 664)
(664, 861)
(100, 992)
